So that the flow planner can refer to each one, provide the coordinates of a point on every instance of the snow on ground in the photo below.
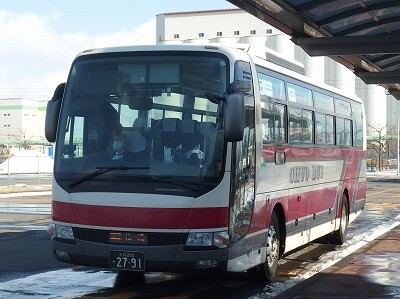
(62, 284)
(27, 162)
(391, 173)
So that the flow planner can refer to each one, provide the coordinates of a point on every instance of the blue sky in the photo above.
(40, 38)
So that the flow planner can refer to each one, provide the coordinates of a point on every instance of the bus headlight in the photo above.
(218, 239)
(64, 232)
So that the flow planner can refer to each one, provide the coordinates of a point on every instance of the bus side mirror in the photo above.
(239, 86)
(52, 113)
(234, 116)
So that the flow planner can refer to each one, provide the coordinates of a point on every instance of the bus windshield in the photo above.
(142, 116)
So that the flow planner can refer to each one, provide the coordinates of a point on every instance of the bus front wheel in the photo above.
(266, 271)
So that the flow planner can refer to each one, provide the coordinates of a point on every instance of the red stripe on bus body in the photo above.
(150, 218)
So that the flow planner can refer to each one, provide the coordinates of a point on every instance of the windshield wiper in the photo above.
(164, 179)
(101, 170)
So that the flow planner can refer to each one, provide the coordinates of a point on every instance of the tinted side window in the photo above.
(300, 95)
(330, 130)
(301, 126)
(320, 129)
(273, 122)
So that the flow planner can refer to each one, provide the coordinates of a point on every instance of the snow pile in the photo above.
(388, 173)
(27, 162)
(57, 284)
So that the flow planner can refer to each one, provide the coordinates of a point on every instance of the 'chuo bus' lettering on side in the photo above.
(299, 174)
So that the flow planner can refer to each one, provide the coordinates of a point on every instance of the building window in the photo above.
(176, 35)
(219, 33)
(201, 34)
(269, 31)
(236, 32)
(252, 31)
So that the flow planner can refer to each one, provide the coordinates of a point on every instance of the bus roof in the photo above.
(237, 49)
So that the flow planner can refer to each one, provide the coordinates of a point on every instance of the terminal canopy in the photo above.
(363, 35)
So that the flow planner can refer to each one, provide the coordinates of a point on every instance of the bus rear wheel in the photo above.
(339, 237)
(266, 271)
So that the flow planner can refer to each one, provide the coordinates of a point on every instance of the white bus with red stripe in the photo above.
(231, 162)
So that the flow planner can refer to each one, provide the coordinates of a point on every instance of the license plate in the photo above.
(127, 260)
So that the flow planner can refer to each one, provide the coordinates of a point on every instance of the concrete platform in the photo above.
(371, 272)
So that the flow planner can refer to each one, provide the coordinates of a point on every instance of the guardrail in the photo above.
(25, 170)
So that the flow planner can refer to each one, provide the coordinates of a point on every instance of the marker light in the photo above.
(221, 239)
(51, 230)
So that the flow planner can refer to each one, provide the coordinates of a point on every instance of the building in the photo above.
(237, 26)
(227, 24)
(22, 119)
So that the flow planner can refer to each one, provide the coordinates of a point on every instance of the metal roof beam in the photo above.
(350, 45)
(379, 77)
(395, 93)
(356, 11)
(368, 25)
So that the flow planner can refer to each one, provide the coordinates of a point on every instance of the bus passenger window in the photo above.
(267, 127)
(320, 129)
(340, 140)
(267, 114)
(295, 125)
(273, 123)
(330, 130)
(307, 122)
(271, 87)
(280, 123)
(299, 94)
(347, 133)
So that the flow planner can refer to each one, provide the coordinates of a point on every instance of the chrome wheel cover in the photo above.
(272, 247)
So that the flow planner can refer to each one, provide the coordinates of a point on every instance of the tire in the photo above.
(267, 270)
(339, 237)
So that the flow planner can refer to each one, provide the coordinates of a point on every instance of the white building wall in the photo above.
(376, 110)
(314, 66)
(189, 25)
(392, 106)
(281, 43)
(21, 118)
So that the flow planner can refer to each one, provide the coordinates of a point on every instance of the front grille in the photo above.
(153, 239)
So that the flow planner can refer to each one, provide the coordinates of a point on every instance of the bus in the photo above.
(235, 161)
